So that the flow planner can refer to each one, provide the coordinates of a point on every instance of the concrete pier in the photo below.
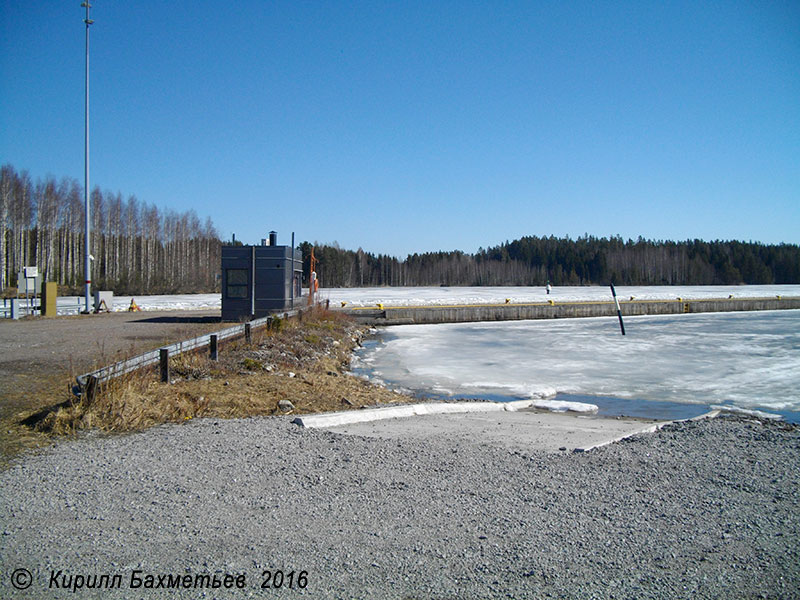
(462, 313)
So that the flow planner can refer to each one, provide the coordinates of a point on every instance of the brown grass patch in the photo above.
(303, 361)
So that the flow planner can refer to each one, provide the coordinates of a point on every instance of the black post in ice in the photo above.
(619, 312)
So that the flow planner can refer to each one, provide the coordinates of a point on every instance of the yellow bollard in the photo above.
(49, 295)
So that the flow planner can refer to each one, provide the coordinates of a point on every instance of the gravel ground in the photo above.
(36, 350)
(698, 510)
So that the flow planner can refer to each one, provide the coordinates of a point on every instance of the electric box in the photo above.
(260, 280)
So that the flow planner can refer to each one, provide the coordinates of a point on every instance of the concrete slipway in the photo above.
(514, 425)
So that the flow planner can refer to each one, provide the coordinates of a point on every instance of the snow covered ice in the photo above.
(750, 360)
(414, 296)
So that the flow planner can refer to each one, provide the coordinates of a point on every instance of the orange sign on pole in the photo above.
(313, 283)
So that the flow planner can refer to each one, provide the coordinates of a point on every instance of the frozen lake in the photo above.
(749, 360)
(411, 296)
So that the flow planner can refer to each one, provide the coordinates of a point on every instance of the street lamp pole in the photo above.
(87, 246)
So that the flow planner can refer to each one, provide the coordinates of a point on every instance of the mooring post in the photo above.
(163, 355)
(212, 344)
(248, 333)
(619, 312)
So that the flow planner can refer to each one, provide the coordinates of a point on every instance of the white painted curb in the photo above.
(349, 417)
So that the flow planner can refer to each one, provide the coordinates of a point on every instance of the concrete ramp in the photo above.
(486, 424)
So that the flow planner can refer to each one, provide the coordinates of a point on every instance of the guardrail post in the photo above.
(14, 308)
(91, 388)
(212, 346)
(248, 333)
(163, 356)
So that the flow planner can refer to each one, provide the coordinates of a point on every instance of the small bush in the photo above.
(276, 324)
(251, 364)
(314, 339)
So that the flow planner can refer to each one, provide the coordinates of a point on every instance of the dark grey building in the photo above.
(260, 280)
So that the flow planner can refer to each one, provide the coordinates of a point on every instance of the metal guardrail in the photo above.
(25, 307)
(88, 381)
(34, 307)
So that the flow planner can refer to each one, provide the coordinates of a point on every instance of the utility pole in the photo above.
(88, 224)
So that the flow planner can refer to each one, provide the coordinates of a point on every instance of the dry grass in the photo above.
(304, 362)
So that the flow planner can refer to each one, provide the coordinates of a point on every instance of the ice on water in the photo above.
(412, 296)
(751, 359)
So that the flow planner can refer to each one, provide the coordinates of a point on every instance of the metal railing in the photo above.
(88, 381)
(32, 306)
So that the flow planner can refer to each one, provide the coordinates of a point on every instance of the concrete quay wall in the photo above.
(404, 315)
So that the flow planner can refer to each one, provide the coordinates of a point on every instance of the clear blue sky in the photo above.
(417, 126)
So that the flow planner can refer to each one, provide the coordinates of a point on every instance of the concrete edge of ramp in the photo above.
(648, 429)
(349, 417)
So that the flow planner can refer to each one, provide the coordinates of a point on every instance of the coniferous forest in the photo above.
(563, 261)
(140, 249)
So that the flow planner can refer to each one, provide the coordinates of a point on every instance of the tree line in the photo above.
(563, 261)
(140, 249)
(137, 247)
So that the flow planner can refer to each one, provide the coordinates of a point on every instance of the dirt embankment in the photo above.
(302, 362)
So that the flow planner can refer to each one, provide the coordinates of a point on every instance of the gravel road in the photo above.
(36, 350)
(698, 510)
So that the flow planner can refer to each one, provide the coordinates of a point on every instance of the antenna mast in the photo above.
(88, 224)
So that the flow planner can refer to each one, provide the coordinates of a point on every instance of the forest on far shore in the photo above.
(140, 249)
(588, 260)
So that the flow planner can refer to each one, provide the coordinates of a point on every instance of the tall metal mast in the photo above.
(88, 224)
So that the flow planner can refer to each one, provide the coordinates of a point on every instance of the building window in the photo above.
(237, 283)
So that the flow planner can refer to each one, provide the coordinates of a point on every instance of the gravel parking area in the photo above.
(38, 350)
(41, 357)
(707, 509)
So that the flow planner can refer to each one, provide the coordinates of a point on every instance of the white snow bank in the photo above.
(564, 406)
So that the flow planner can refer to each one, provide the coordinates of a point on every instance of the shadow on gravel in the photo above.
(184, 319)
